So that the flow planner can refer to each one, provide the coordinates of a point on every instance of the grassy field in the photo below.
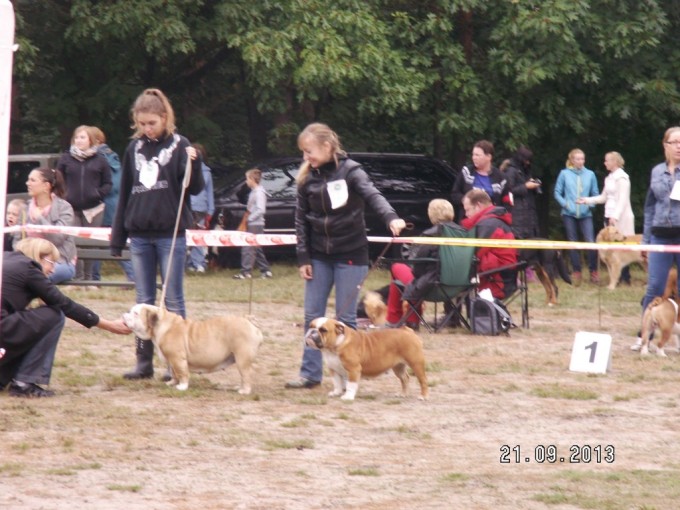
(104, 442)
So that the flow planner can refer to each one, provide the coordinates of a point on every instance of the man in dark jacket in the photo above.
(491, 222)
(481, 174)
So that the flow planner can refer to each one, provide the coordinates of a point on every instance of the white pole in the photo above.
(6, 54)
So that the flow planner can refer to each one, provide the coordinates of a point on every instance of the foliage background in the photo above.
(427, 76)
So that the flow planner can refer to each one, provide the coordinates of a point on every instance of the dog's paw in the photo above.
(662, 353)
(644, 350)
(182, 386)
(335, 393)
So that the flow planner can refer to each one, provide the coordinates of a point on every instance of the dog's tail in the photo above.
(647, 328)
(562, 266)
(375, 307)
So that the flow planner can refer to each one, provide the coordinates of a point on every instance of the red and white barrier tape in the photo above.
(234, 238)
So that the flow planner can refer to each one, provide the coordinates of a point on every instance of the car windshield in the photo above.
(408, 177)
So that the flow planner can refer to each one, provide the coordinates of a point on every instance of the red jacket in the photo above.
(494, 222)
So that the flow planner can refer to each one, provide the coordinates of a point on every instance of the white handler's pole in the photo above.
(7, 48)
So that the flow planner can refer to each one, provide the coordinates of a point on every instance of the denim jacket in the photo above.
(572, 184)
(660, 211)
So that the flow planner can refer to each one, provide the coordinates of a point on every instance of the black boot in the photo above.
(144, 368)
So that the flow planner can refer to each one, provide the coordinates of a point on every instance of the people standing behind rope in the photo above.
(524, 189)
(480, 175)
(419, 278)
(15, 215)
(491, 222)
(87, 177)
(30, 334)
(47, 206)
(662, 218)
(202, 208)
(253, 256)
(148, 208)
(110, 200)
(332, 247)
(616, 199)
(575, 182)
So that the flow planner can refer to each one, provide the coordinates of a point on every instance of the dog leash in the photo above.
(185, 185)
(388, 245)
(345, 306)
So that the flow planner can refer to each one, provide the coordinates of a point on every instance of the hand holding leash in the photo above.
(396, 226)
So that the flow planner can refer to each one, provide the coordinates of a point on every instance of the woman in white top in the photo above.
(616, 199)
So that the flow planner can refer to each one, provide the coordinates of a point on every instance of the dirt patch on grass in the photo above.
(107, 443)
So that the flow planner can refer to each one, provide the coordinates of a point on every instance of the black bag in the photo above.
(489, 317)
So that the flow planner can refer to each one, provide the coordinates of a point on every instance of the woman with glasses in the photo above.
(48, 207)
(30, 336)
(662, 218)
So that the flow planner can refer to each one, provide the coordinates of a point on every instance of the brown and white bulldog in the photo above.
(197, 346)
(661, 313)
(351, 355)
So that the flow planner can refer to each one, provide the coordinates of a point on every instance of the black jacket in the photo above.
(87, 181)
(524, 217)
(322, 229)
(148, 202)
(23, 281)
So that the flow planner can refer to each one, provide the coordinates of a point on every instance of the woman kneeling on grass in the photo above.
(30, 335)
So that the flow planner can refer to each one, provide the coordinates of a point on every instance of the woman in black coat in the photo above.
(30, 336)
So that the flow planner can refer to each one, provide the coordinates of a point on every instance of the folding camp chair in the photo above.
(454, 285)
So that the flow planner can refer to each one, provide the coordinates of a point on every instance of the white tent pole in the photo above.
(7, 48)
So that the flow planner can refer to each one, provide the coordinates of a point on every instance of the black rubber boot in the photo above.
(144, 368)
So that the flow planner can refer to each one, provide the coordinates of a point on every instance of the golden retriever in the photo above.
(616, 260)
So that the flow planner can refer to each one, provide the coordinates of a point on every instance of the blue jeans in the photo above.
(125, 265)
(572, 225)
(196, 258)
(62, 271)
(347, 278)
(658, 266)
(149, 254)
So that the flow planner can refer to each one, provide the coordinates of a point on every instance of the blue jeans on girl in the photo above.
(347, 278)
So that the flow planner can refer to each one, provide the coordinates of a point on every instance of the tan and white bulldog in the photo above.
(661, 313)
(197, 346)
(351, 355)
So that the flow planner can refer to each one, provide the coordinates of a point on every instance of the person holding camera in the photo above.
(524, 189)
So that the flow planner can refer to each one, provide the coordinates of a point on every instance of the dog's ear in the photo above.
(151, 319)
(339, 328)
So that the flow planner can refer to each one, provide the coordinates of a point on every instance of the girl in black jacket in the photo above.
(30, 335)
(87, 177)
(332, 247)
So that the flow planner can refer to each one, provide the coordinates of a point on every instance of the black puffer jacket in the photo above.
(87, 182)
(524, 217)
(322, 229)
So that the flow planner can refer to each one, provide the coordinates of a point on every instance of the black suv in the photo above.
(408, 182)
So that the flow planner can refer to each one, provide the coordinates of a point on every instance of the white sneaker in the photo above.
(200, 270)
(637, 345)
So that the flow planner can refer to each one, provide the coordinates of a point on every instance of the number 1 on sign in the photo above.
(591, 353)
